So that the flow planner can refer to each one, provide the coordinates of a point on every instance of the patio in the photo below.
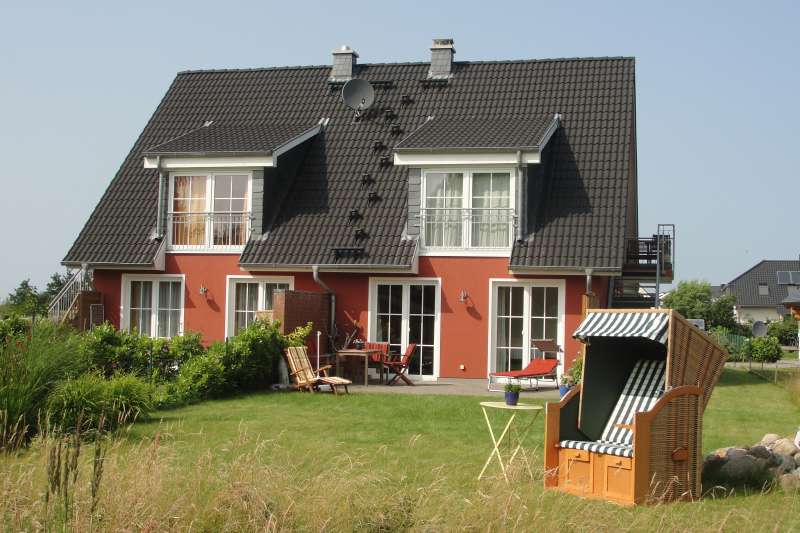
(455, 386)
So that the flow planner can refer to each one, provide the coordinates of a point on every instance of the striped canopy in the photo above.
(644, 325)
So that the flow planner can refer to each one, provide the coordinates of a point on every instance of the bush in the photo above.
(84, 400)
(766, 349)
(29, 370)
(200, 378)
(13, 328)
(784, 330)
(737, 346)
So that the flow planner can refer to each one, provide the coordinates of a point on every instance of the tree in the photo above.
(784, 330)
(693, 299)
(766, 349)
(26, 299)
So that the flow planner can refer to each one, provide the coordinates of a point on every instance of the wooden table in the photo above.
(534, 409)
(357, 352)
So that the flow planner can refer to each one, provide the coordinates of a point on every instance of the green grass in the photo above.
(382, 462)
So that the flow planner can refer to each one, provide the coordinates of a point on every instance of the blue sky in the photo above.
(717, 89)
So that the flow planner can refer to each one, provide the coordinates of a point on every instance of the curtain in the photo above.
(444, 197)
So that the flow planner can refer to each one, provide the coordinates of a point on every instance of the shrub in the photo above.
(784, 330)
(186, 347)
(29, 369)
(251, 358)
(13, 328)
(737, 346)
(200, 378)
(87, 398)
(766, 349)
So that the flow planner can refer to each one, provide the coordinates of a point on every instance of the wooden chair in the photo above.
(383, 347)
(308, 379)
(631, 431)
(400, 366)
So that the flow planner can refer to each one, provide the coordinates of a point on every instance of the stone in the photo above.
(787, 464)
(734, 453)
(722, 452)
(784, 446)
(745, 470)
(797, 459)
(790, 483)
(769, 438)
(760, 451)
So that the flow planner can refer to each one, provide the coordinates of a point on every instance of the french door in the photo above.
(521, 313)
(406, 312)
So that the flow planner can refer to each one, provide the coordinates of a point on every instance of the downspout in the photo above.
(520, 199)
(159, 221)
(318, 281)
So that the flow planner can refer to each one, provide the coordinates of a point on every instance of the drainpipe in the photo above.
(318, 281)
(519, 204)
(159, 221)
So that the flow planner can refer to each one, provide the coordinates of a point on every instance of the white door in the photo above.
(406, 312)
(521, 313)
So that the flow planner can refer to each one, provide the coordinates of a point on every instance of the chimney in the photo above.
(442, 53)
(344, 62)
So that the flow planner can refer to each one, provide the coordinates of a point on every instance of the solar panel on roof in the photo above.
(783, 277)
(795, 277)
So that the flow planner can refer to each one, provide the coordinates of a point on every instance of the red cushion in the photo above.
(537, 367)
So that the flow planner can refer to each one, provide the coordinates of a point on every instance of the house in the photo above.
(761, 290)
(473, 207)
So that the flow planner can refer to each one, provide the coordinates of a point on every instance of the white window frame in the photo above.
(209, 174)
(528, 285)
(124, 308)
(230, 294)
(372, 315)
(467, 172)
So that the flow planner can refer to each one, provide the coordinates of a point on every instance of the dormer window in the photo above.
(467, 209)
(209, 210)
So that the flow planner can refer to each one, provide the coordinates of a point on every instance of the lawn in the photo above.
(376, 462)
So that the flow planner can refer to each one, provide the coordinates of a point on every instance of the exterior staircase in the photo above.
(77, 303)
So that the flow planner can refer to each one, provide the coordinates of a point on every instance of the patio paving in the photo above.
(455, 386)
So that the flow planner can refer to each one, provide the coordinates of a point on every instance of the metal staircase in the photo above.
(77, 303)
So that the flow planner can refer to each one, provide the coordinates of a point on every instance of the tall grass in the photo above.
(30, 367)
(266, 485)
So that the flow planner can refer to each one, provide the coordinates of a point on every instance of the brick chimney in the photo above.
(442, 53)
(344, 63)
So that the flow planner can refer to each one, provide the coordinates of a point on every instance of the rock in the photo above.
(787, 464)
(797, 459)
(760, 451)
(784, 446)
(790, 483)
(722, 452)
(734, 453)
(745, 470)
(769, 438)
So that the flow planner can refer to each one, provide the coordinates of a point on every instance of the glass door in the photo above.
(406, 314)
(509, 347)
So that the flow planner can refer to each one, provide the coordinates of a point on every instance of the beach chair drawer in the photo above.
(617, 478)
(575, 470)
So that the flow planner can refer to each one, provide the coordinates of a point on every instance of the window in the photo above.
(153, 305)
(763, 289)
(405, 312)
(524, 312)
(468, 209)
(247, 296)
(209, 210)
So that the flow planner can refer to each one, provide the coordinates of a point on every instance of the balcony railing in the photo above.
(191, 231)
(460, 228)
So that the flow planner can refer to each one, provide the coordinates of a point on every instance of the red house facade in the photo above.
(472, 208)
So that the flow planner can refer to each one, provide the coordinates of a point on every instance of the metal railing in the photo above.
(476, 228)
(60, 305)
(208, 230)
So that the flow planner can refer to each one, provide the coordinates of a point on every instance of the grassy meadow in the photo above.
(364, 462)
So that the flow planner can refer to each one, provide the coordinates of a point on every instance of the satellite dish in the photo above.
(759, 329)
(358, 95)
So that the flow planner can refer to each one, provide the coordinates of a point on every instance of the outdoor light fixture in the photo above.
(203, 290)
(463, 296)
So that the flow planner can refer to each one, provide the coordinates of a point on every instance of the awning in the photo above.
(643, 325)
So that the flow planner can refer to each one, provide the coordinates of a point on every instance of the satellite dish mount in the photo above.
(358, 95)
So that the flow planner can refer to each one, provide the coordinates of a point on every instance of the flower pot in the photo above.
(563, 390)
(512, 398)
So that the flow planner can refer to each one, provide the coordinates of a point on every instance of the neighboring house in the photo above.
(761, 290)
(466, 211)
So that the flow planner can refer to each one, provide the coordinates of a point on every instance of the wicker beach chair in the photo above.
(305, 377)
(631, 432)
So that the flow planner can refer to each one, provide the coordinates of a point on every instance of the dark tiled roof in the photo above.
(464, 133)
(233, 138)
(745, 286)
(582, 219)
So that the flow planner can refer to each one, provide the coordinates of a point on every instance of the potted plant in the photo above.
(571, 377)
(512, 393)
(358, 344)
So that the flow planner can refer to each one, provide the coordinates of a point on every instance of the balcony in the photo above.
(642, 257)
(208, 231)
(457, 229)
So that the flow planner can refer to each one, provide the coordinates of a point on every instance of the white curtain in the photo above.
(491, 203)
(444, 197)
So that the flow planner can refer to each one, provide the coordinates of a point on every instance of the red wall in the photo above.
(464, 326)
